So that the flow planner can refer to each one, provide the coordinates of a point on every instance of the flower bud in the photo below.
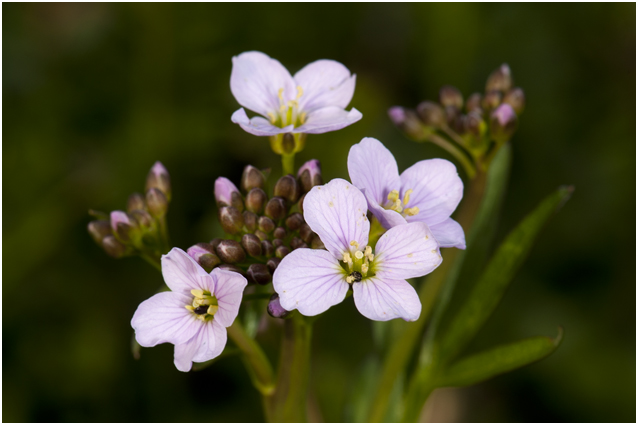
(135, 202)
(277, 242)
(282, 251)
(267, 248)
(503, 122)
(431, 114)
(156, 202)
(255, 200)
(259, 273)
(451, 96)
(227, 194)
(232, 268)
(266, 224)
(294, 221)
(474, 102)
(204, 254)
(209, 261)
(122, 225)
(215, 242)
(99, 229)
(276, 208)
(306, 233)
(500, 79)
(279, 233)
(516, 99)
(113, 247)
(252, 178)
(231, 219)
(288, 144)
(475, 124)
(407, 121)
(230, 251)
(300, 203)
(143, 218)
(275, 309)
(492, 100)
(272, 264)
(250, 221)
(288, 188)
(158, 178)
(309, 175)
(261, 235)
(316, 243)
(251, 244)
(296, 243)
(451, 115)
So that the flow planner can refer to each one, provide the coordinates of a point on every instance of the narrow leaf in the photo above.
(495, 361)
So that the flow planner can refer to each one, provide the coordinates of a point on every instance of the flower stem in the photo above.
(153, 261)
(457, 153)
(288, 163)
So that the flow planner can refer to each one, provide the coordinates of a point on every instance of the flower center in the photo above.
(204, 305)
(395, 204)
(288, 111)
(358, 264)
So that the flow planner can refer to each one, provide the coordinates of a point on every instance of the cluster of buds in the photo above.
(261, 229)
(141, 230)
(480, 124)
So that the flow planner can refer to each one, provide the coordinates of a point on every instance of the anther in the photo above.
(393, 196)
(364, 269)
(411, 211)
(280, 94)
(212, 309)
(299, 92)
(356, 277)
(197, 293)
(355, 244)
(406, 197)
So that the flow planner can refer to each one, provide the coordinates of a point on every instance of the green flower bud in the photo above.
(261, 235)
(516, 99)
(288, 188)
(259, 273)
(474, 102)
(99, 229)
(135, 202)
(252, 178)
(431, 114)
(230, 251)
(265, 224)
(157, 202)
(251, 244)
(451, 96)
(294, 221)
(158, 178)
(209, 261)
(267, 248)
(255, 200)
(500, 79)
(250, 221)
(276, 208)
(231, 219)
(282, 251)
(143, 218)
(113, 247)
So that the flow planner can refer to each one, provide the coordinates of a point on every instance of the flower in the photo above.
(427, 192)
(313, 280)
(313, 101)
(194, 315)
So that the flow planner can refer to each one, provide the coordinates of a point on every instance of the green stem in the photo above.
(165, 240)
(288, 163)
(457, 153)
(153, 261)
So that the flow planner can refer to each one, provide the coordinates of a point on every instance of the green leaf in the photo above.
(491, 286)
(495, 361)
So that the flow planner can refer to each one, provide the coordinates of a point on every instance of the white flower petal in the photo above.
(255, 82)
(229, 289)
(448, 234)
(257, 125)
(309, 280)
(207, 344)
(163, 318)
(385, 299)
(337, 213)
(327, 119)
(182, 273)
(437, 189)
(406, 251)
(325, 83)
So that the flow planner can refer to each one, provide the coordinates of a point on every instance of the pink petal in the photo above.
(407, 251)
(255, 82)
(337, 213)
(163, 318)
(229, 289)
(437, 189)
(449, 233)
(372, 167)
(327, 119)
(207, 344)
(182, 273)
(257, 125)
(325, 83)
(385, 299)
(309, 280)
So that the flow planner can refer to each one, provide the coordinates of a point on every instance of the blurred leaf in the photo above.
(495, 361)
(501, 269)
(358, 406)
(135, 347)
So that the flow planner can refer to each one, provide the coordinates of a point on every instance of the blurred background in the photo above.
(94, 94)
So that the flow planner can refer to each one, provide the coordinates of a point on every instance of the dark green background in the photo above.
(93, 94)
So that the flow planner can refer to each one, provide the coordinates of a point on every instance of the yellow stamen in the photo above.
(197, 293)
(272, 117)
(189, 307)
(393, 196)
(398, 207)
(355, 244)
(302, 117)
(299, 92)
(364, 269)
(349, 279)
(406, 197)
(280, 95)
(212, 309)
(411, 211)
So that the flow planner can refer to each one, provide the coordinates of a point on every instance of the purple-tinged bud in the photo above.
(255, 200)
(516, 99)
(309, 175)
(492, 100)
(252, 178)
(306, 233)
(282, 251)
(267, 248)
(474, 102)
(294, 221)
(407, 121)
(272, 264)
(259, 273)
(121, 225)
(135, 202)
(231, 219)
(204, 254)
(451, 96)
(300, 203)
(250, 221)
(500, 79)
(265, 224)
(158, 178)
(277, 242)
(276, 208)
(261, 235)
(252, 244)
(99, 229)
(288, 189)
(143, 218)
(156, 202)
(113, 247)
(227, 194)
(279, 233)
(503, 122)
(431, 114)
(316, 243)
(232, 268)
(275, 309)
(297, 243)
(230, 251)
